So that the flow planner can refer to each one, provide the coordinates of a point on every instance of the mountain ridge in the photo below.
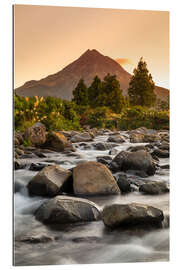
(87, 66)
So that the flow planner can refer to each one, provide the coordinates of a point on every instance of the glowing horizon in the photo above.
(49, 38)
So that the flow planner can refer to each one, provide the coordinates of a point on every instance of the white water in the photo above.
(88, 242)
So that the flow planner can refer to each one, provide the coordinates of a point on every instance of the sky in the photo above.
(46, 39)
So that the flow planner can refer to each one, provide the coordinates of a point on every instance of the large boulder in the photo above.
(58, 142)
(65, 209)
(154, 188)
(81, 137)
(90, 178)
(139, 161)
(134, 214)
(36, 134)
(49, 181)
(116, 138)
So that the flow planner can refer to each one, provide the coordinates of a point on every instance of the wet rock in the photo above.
(17, 186)
(137, 148)
(103, 146)
(164, 147)
(143, 135)
(36, 239)
(113, 151)
(154, 188)
(160, 153)
(58, 142)
(165, 166)
(36, 134)
(65, 209)
(28, 155)
(81, 137)
(90, 178)
(88, 239)
(103, 160)
(116, 139)
(49, 181)
(18, 165)
(134, 214)
(37, 167)
(123, 183)
(19, 151)
(40, 154)
(139, 161)
(18, 138)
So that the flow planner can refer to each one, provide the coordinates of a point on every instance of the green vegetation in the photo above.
(102, 105)
(141, 86)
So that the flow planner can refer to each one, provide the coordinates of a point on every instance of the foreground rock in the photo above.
(139, 160)
(120, 215)
(36, 134)
(90, 178)
(64, 209)
(58, 142)
(154, 188)
(49, 181)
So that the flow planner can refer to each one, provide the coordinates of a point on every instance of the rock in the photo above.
(165, 166)
(65, 209)
(120, 215)
(154, 188)
(36, 239)
(37, 167)
(39, 154)
(81, 137)
(160, 153)
(103, 146)
(18, 165)
(136, 138)
(18, 138)
(116, 139)
(137, 148)
(151, 138)
(164, 146)
(104, 159)
(143, 135)
(18, 186)
(123, 183)
(49, 181)
(26, 155)
(58, 142)
(19, 151)
(90, 178)
(36, 134)
(140, 161)
(113, 151)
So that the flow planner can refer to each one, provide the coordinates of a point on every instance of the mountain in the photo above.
(89, 64)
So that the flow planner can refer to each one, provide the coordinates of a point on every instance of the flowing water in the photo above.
(90, 242)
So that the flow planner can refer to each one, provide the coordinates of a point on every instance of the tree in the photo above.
(80, 93)
(94, 91)
(111, 94)
(141, 86)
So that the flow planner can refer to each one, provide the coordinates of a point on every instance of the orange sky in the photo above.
(49, 38)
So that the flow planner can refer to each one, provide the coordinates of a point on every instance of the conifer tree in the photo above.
(80, 93)
(141, 86)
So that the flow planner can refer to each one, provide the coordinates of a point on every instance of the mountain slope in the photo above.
(89, 64)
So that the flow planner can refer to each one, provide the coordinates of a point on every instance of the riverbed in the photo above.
(90, 242)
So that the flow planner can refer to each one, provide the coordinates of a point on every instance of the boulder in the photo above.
(140, 161)
(81, 137)
(160, 153)
(123, 183)
(113, 151)
(18, 165)
(154, 188)
(134, 214)
(136, 138)
(143, 135)
(36, 167)
(104, 159)
(116, 139)
(49, 181)
(101, 146)
(18, 138)
(90, 178)
(36, 134)
(137, 148)
(57, 141)
(65, 209)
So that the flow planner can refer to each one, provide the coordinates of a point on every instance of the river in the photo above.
(91, 242)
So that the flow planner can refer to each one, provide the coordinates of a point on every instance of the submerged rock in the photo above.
(49, 181)
(154, 188)
(134, 214)
(65, 209)
(139, 160)
(90, 178)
